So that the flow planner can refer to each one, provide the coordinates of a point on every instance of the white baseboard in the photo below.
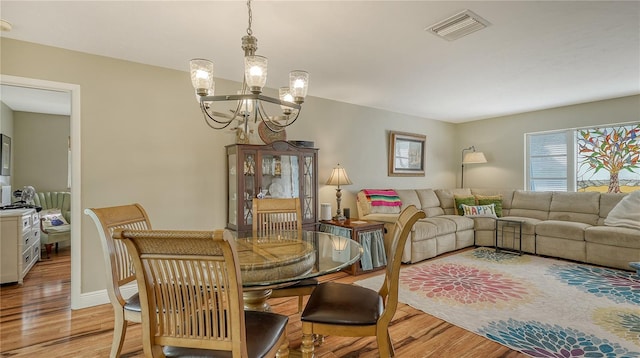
(101, 297)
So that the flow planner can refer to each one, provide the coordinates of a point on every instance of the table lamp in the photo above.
(339, 177)
(471, 158)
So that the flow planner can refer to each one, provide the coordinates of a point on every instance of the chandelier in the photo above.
(249, 102)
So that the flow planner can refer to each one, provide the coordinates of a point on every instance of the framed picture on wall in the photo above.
(5, 155)
(406, 154)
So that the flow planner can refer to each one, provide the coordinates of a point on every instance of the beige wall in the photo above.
(40, 151)
(6, 128)
(144, 140)
(502, 139)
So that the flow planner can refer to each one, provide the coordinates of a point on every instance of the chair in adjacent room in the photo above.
(119, 269)
(355, 311)
(273, 215)
(191, 296)
(55, 218)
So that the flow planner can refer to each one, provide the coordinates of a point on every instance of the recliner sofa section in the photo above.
(567, 225)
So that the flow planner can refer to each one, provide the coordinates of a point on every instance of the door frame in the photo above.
(76, 178)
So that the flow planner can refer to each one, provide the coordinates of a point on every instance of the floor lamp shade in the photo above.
(339, 177)
(472, 157)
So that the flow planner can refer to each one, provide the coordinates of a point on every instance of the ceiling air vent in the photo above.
(458, 25)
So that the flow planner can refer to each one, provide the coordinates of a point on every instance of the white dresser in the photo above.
(19, 243)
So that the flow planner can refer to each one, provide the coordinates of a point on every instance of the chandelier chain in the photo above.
(249, 32)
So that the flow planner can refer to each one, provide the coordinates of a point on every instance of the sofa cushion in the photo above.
(484, 224)
(528, 224)
(562, 229)
(626, 213)
(607, 202)
(446, 198)
(530, 204)
(613, 236)
(430, 203)
(409, 197)
(462, 223)
(496, 200)
(460, 200)
(578, 207)
(424, 230)
(444, 225)
(507, 196)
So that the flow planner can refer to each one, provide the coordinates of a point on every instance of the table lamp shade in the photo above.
(339, 177)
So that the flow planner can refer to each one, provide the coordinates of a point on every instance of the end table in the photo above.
(516, 226)
(370, 234)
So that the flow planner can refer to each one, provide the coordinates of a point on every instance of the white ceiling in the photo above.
(534, 55)
(26, 99)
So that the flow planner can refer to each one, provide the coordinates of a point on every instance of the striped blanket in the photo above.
(382, 197)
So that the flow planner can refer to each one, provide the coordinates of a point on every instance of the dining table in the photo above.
(279, 259)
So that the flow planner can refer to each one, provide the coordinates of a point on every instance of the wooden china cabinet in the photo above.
(276, 170)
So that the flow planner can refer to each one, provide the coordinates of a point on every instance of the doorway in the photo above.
(74, 94)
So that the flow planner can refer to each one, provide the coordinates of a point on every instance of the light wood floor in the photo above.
(36, 321)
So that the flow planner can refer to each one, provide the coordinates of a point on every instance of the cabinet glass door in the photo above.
(249, 173)
(233, 189)
(280, 176)
(308, 189)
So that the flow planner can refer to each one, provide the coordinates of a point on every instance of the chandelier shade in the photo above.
(299, 83)
(255, 72)
(249, 101)
(202, 76)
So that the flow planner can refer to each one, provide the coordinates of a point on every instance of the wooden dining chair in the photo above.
(191, 295)
(354, 311)
(119, 268)
(273, 215)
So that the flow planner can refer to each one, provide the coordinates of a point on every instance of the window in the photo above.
(547, 161)
(603, 159)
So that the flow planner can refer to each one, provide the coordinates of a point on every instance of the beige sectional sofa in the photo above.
(568, 225)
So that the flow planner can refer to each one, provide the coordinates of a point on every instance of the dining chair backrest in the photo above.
(349, 310)
(273, 215)
(119, 268)
(401, 231)
(190, 289)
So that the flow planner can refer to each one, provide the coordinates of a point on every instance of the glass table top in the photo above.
(283, 257)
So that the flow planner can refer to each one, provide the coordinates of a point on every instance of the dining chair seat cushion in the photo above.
(263, 331)
(343, 304)
(133, 303)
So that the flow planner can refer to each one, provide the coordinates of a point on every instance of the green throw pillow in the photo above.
(466, 200)
(488, 200)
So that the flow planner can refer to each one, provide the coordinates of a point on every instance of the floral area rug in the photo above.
(539, 306)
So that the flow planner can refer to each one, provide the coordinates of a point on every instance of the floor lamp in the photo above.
(472, 157)
(339, 177)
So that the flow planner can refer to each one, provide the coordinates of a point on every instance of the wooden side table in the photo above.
(356, 230)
